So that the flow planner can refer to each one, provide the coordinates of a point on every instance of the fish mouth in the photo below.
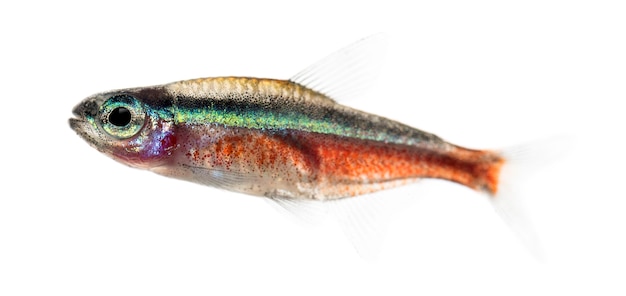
(81, 110)
(76, 123)
(82, 122)
(81, 127)
(77, 120)
(77, 110)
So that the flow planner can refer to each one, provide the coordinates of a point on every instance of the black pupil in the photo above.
(120, 116)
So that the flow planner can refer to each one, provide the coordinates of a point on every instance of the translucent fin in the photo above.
(363, 222)
(521, 163)
(305, 212)
(363, 219)
(220, 178)
(512, 212)
(346, 73)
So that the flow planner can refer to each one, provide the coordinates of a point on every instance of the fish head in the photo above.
(126, 127)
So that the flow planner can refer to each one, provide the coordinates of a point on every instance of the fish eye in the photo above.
(122, 116)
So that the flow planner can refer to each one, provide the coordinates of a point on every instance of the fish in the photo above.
(291, 140)
(273, 138)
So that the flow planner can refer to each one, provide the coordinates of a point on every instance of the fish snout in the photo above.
(83, 111)
(86, 108)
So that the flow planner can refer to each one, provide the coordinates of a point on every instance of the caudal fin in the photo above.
(520, 163)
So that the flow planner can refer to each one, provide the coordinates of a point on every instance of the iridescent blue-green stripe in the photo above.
(343, 121)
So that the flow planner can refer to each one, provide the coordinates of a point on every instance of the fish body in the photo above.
(273, 138)
(292, 142)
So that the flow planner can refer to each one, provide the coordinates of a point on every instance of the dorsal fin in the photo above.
(346, 73)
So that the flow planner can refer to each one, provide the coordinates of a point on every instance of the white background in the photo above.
(483, 74)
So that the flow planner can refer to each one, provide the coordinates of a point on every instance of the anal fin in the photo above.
(363, 219)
